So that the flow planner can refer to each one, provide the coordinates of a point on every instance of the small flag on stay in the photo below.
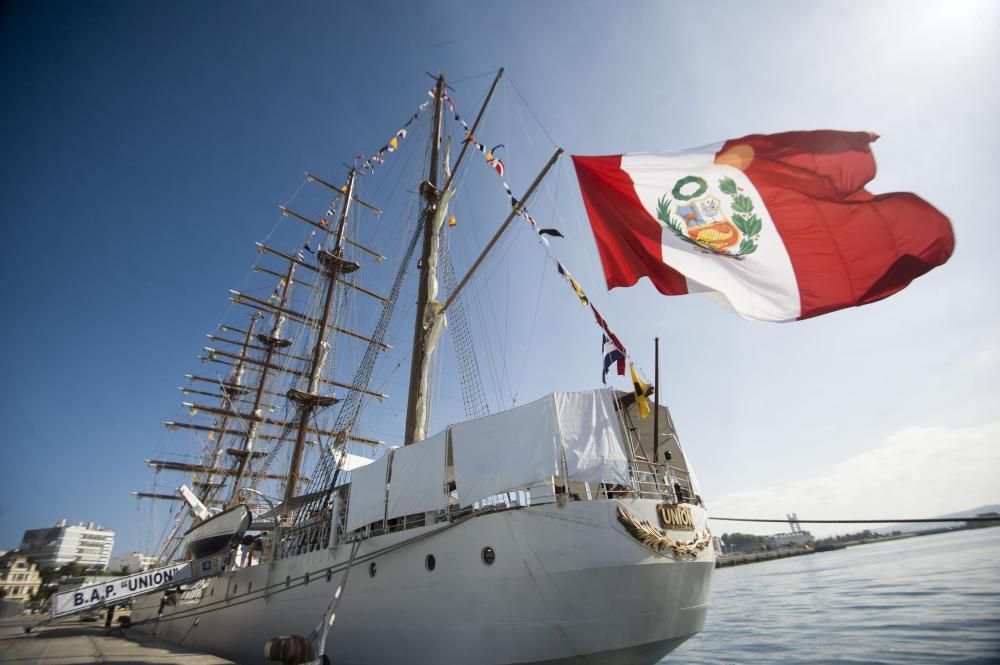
(642, 392)
(612, 355)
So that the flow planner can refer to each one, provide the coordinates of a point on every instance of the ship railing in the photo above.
(553, 491)
(668, 484)
(664, 481)
(307, 537)
(648, 485)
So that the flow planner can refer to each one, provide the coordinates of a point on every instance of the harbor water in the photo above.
(929, 599)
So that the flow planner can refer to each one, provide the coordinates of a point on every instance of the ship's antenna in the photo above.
(656, 401)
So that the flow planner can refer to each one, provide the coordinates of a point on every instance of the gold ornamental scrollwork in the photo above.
(658, 540)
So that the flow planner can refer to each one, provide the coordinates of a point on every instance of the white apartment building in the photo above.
(85, 544)
(134, 562)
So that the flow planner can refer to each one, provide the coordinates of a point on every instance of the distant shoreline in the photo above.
(742, 558)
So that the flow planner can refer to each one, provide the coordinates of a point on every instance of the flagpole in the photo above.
(656, 401)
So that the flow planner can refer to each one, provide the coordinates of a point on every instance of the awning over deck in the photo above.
(418, 477)
(574, 435)
(528, 444)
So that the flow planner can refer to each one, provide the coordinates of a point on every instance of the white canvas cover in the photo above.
(591, 437)
(524, 445)
(367, 500)
(350, 461)
(418, 476)
(506, 450)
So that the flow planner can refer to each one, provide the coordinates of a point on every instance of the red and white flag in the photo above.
(780, 225)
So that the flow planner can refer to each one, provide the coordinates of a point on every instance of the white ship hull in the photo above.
(569, 585)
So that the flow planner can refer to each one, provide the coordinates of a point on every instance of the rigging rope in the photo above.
(522, 212)
(928, 520)
(473, 394)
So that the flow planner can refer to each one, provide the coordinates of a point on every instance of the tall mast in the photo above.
(229, 390)
(430, 313)
(416, 404)
(271, 342)
(334, 265)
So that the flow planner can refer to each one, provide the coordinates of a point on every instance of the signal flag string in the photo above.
(492, 160)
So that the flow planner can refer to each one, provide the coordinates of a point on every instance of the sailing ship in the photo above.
(565, 530)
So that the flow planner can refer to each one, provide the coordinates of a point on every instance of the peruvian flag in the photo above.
(779, 224)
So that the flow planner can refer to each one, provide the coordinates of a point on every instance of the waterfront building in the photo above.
(132, 562)
(19, 578)
(56, 546)
(990, 522)
(789, 539)
(795, 537)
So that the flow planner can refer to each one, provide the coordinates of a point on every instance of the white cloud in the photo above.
(986, 358)
(917, 472)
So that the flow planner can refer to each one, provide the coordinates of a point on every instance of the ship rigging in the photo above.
(290, 480)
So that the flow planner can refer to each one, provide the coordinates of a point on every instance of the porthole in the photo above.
(489, 556)
(430, 562)
(371, 569)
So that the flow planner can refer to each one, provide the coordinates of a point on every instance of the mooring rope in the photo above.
(883, 521)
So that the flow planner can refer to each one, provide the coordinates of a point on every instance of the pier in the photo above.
(724, 561)
(76, 642)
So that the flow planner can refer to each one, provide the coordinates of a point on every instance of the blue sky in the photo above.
(146, 146)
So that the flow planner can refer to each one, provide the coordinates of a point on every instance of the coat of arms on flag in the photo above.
(706, 221)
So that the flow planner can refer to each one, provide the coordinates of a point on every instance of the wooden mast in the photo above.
(432, 197)
(335, 265)
(229, 391)
(271, 342)
(427, 317)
